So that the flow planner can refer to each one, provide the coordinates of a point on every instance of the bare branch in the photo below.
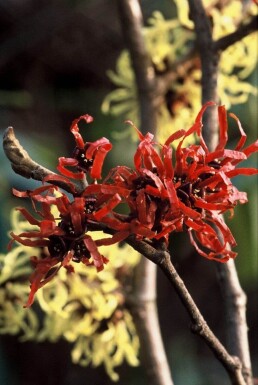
(234, 299)
(159, 255)
(21, 162)
(143, 297)
(165, 80)
(131, 22)
(142, 304)
(243, 31)
(232, 364)
(235, 309)
(209, 68)
(175, 70)
(162, 257)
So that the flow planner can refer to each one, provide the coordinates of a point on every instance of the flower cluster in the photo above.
(187, 192)
(87, 309)
(63, 235)
(164, 193)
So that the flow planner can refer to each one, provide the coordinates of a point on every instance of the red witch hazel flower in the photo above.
(188, 193)
(64, 237)
(87, 157)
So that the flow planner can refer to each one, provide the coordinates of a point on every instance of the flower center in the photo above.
(141, 182)
(60, 245)
(84, 164)
(186, 191)
(80, 250)
(90, 205)
(57, 246)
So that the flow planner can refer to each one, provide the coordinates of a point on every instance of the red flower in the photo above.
(189, 193)
(64, 237)
(87, 157)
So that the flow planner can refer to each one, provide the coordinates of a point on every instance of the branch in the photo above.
(175, 70)
(162, 258)
(21, 162)
(234, 297)
(235, 308)
(143, 297)
(243, 31)
(199, 326)
(213, 48)
(131, 22)
(209, 68)
(142, 304)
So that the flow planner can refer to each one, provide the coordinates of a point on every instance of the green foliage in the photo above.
(85, 308)
(169, 42)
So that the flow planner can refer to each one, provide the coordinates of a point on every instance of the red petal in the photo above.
(118, 237)
(213, 256)
(193, 225)
(155, 160)
(153, 191)
(188, 211)
(155, 178)
(29, 242)
(251, 149)
(28, 216)
(48, 227)
(63, 204)
(196, 128)
(60, 178)
(21, 194)
(77, 212)
(176, 135)
(167, 230)
(115, 224)
(102, 143)
(223, 128)
(211, 206)
(242, 140)
(228, 154)
(141, 207)
(140, 135)
(93, 250)
(37, 280)
(75, 129)
(167, 160)
(138, 228)
(172, 195)
(241, 171)
(143, 153)
(105, 189)
(70, 174)
(111, 204)
(67, 161)
(96, 169)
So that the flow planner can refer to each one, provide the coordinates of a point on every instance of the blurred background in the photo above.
(54, 57)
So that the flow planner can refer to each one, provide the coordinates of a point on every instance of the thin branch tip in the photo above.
(21, 162)
(19, 158)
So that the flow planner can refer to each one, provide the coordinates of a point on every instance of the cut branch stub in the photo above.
(21, 162)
